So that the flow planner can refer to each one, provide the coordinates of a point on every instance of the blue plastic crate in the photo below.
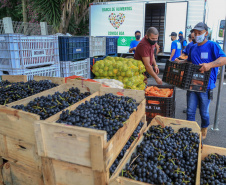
(92, 62)
(73, 48)
(111, 45)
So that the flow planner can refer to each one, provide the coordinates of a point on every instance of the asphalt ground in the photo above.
(215, 138)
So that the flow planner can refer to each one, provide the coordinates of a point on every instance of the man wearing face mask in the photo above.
(182, 41)
(134, 43)
(145, 53)
(207, 54)
(175, 47)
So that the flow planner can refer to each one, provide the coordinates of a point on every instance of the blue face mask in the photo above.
(180, 37)
(138, 37)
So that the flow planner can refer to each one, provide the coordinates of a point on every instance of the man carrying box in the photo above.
(209, 55)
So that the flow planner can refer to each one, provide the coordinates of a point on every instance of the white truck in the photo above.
(123, 18)
(218, 32)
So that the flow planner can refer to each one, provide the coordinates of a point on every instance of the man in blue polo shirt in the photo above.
(134, 43)
(175, 47)
(209, 55)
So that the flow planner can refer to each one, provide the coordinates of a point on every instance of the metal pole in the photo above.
(216, 120)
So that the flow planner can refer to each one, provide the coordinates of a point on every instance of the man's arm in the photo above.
(155, 65)
(131, 49)
(150, 70)
(172, 53)
(217, 63)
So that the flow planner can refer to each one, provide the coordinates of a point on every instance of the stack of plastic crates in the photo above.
(111, 46)
(29, 55)
(78, 68)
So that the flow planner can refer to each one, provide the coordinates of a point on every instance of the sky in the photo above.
(216, 9)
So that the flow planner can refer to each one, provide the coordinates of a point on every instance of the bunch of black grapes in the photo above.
(21, 90)
(4, 83)
(107, 112)
(126, 147)
(213, 170)
(165, 157)
(46, 106)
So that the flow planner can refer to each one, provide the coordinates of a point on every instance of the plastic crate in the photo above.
(164, 107)
(18, 51)
(97, 46)
(51, 71)
(111, 46)
(73, 48)
(92, 62)
(178, 74)
(186, 76)
(79, 68)
(199, 81)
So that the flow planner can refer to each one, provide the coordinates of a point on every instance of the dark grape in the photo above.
(165, 157)
(4, 83)
(213, 170)
(20, 90)
(126, 147)
(107, 112)
(46, 106)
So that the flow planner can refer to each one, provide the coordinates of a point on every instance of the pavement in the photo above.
(215, 138)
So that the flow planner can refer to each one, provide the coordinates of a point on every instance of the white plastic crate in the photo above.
(97, 46)
(52, 71)
(18, 51)
(79, 68)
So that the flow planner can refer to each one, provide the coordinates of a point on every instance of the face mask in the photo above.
(194, 41)
(138, 37)
(200, 38)
(180, 37)
(152, 42)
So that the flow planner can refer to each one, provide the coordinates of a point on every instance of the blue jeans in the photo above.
(201, 99)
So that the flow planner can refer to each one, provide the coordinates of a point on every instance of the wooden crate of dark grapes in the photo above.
(86, 147)
(155, 171)
(208, 149)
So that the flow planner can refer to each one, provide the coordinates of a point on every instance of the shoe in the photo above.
(185, 111)
(204, 132)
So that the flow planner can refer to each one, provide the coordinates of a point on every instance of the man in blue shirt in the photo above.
(134, 43)
(175, 47)
(182, 41)
(209, 55)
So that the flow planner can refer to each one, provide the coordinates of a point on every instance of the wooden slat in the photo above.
(22, 175)
(56, 80)
(6, 174)
(96, 152)
(176, 124)
(3, 147)
(1, 167)
(67, 143)
(24, 153)
(15, 78)
(126, 181)
(48, 171)
(71, 174)
(17, 124)
(207, 149)
(91, 86)
(141, 110)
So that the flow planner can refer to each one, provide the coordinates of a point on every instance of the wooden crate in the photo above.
(208, 149)
(17, 137)
(17, 174)
(15, 78)
(176, 124)
(83, 146)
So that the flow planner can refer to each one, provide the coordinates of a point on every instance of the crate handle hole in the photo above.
(22, 147)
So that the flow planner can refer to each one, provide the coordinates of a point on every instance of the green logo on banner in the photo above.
(125, 41)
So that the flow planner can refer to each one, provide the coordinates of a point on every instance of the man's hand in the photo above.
(177, 60)
(205, 67)
(158, 81)
(134, 48)
(156, 70)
